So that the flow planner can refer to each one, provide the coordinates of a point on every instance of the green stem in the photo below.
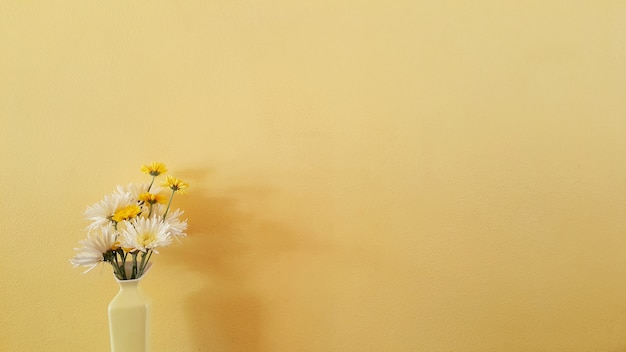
(119, 271)
(134, 272)
(168, 205)
(124, 265)
(151, 183)
(145, 261)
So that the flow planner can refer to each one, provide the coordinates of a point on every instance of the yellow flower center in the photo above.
(126, 213)
(146, 238)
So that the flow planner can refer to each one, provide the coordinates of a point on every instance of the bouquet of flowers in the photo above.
(128, 225)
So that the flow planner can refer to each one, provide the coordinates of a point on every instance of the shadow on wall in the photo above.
(228, 238)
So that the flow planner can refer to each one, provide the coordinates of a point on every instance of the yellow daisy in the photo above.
(126, 213)
(154, 169)
(175, 184)
(152, 198)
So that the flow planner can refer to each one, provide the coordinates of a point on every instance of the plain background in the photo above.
(365, 175)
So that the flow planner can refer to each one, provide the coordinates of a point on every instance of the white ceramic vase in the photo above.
(129, 317)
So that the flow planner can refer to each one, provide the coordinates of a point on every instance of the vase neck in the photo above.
(129, 284)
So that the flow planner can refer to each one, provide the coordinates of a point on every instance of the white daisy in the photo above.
(177, 227)
(100, 213)
(94, 247)
(135, 189)
(145, 234)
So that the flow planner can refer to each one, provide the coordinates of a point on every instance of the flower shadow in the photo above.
(228, 238)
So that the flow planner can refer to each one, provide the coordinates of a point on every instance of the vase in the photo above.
(129, 315)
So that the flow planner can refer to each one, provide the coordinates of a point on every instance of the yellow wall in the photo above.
(367, 175)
